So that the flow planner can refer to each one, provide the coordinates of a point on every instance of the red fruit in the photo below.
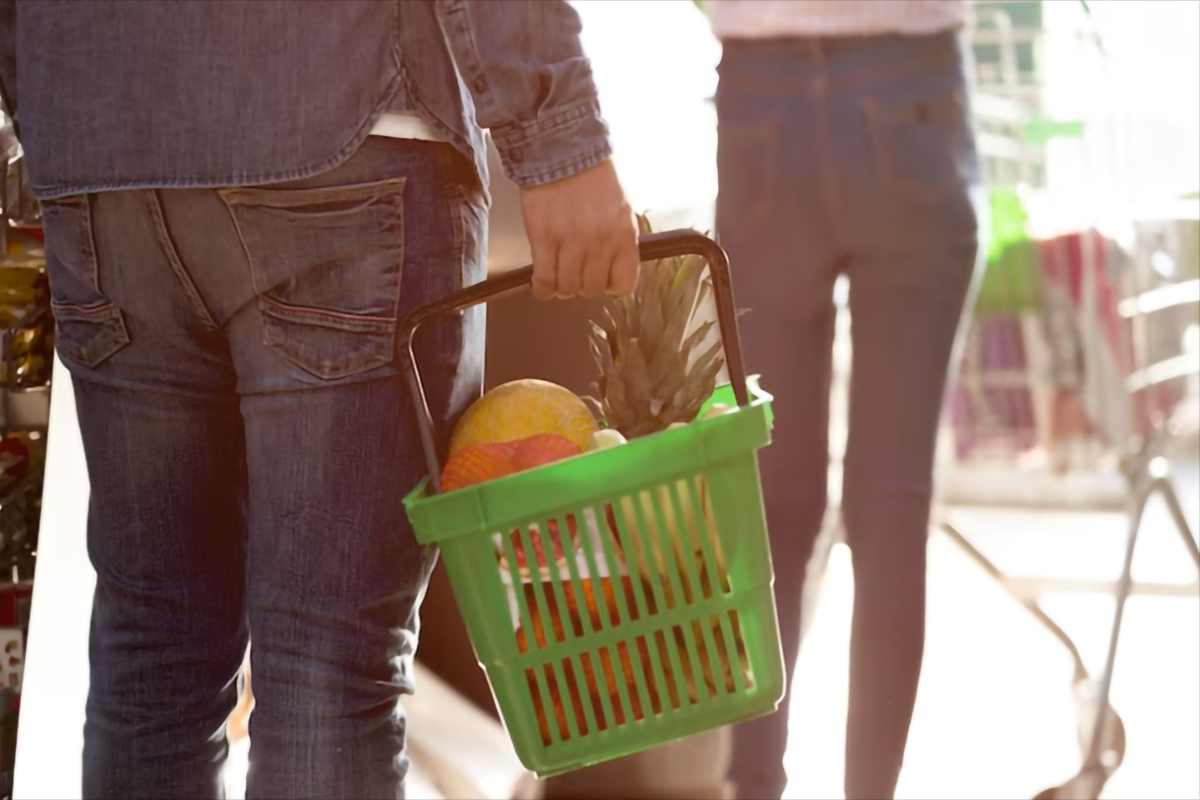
(478, 463)
(539, 549)
(533, 451)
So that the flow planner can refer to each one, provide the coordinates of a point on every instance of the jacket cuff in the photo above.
(557, 145)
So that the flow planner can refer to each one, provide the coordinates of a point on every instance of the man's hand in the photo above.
(582, 234)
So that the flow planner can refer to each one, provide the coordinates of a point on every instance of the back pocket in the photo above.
(922, 145)
(89, 334)
(327, 264)
(90, 328)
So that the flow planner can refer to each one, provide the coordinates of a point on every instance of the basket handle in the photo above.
(651, 247)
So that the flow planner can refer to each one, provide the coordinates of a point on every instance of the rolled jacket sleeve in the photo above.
(531, 83)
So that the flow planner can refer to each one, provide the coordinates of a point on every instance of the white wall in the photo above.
(50, 732)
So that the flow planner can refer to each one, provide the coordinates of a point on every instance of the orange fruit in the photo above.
(476, 464)
(543, 448)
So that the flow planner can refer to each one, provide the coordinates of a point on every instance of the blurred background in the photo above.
(1088, 123)
(1087, 119)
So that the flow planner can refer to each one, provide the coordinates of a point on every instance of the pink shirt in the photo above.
(766, 19)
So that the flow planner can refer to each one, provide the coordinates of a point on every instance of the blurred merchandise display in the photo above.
(1079, 373)
(26, 358)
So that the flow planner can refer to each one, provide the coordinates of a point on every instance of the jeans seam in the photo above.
(237, 228)
(171, 252)
(90, 244)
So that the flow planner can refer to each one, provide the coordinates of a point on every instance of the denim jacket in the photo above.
(185, 93)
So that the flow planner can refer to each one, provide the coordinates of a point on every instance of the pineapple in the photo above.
(649, 373)
(651, 377)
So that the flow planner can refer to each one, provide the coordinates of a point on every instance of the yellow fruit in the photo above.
(524, 408)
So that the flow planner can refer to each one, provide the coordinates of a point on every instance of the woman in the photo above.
(845, 148)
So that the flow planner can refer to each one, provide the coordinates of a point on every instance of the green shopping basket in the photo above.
(622, 598)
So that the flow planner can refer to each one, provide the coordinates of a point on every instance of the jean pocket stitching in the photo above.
(88, 276)
(942, 115)
(283, 199)
(315, 334)
(109, 333)
(326, 318)
(283, 324)
(283, 332)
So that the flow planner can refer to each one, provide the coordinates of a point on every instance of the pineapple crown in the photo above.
(650, 374)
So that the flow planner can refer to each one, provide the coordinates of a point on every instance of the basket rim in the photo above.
(657, 458)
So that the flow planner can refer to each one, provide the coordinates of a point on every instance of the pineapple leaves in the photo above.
(644, 347)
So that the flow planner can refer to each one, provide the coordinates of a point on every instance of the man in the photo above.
(240, 201)
(845, 148)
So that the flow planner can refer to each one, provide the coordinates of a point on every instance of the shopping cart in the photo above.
(1075, 376)
(668, 531)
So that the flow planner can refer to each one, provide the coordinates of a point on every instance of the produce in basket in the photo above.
(651, 377)
(476, 463)
(713, 667)
(521, 409)
(644, 346)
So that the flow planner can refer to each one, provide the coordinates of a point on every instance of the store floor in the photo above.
(995, 715)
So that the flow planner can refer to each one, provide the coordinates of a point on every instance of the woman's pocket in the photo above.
(90, 328)
(747, 154)
(922, 146)
(327, 265)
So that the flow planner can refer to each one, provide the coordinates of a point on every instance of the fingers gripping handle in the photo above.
(651, 247)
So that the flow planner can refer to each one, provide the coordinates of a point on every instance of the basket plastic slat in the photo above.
(564, 694)
(658, 532)
(585, 694)
(659, 669)
(614, 653)
(516, 588)
(675, 571)
(568, 630)
(538, 590)
(631, 644)
(639, 677)
(698, 526)
(654, 584)
(689, 565)
(589, 629)
(608, 720)
(698, 629)
(727, 645)
(688, 538)
(547, 701)
(643, 545)
(717, 582)
(675, 685)
(576, 586)
(740, 681)
(556, 584)
(634, 565)
(586, 618)
(710, 539)
(606, 623)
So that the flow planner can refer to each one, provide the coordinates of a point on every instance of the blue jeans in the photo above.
(849, 156)
(249, 441)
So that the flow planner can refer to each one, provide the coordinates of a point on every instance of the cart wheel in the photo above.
(1085, 785)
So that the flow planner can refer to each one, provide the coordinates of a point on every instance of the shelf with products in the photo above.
(26, 359)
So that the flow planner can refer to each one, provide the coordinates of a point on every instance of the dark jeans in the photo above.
(849, 156)
(248, 442)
